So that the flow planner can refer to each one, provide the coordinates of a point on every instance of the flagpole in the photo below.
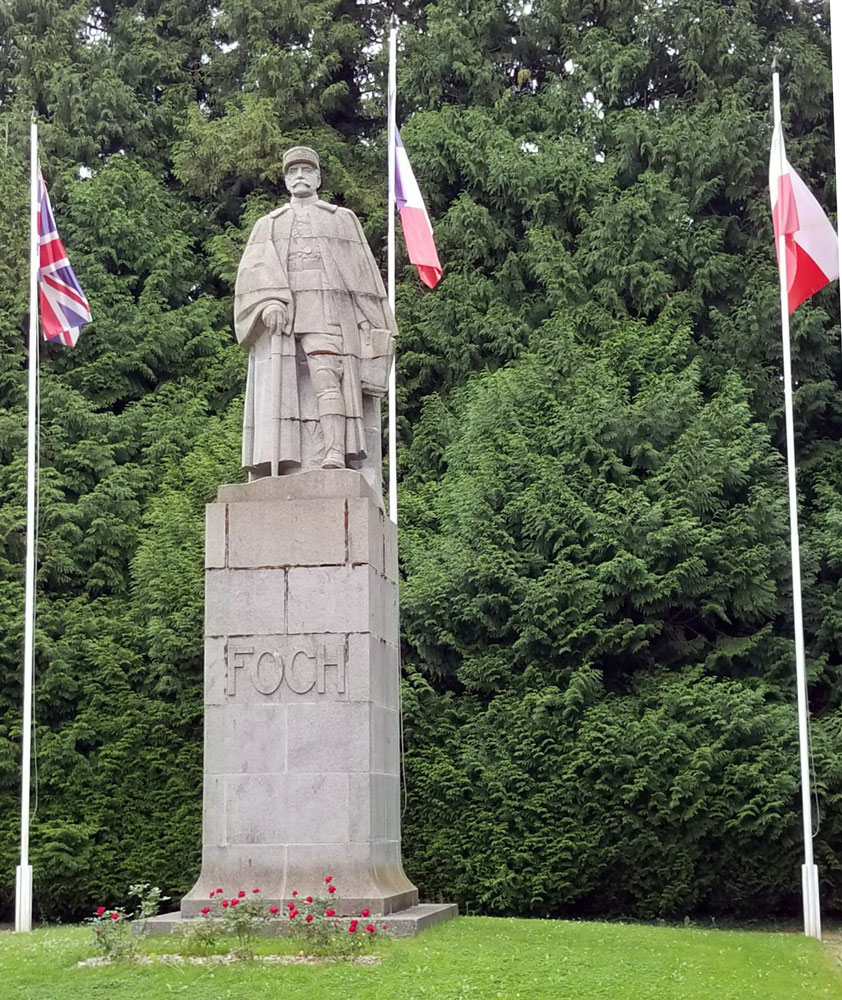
(23, 879)
(809, 871)
(390, 277)
(836, 75)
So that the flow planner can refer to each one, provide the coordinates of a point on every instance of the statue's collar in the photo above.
(286, 207)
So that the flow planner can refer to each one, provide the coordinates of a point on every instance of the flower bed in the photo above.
(312, 922)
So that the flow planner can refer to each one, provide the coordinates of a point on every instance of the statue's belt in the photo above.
(300, 263)
(307, 280)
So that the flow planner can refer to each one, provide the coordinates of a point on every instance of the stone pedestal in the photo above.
(302, 748)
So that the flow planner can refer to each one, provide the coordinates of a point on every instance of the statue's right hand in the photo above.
(275, 317)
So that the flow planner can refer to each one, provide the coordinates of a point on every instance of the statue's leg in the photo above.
(326, 373)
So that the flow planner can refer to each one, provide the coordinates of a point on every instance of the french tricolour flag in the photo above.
(64, 307)
(417, 231)
(812, 256)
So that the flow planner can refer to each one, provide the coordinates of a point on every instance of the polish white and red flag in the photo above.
(64, 306)
(812, 255)
(417, 230)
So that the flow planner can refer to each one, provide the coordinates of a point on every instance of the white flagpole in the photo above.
(23, 880)
(391, 101)
(836, 64)
(809, 871)
(392, 126)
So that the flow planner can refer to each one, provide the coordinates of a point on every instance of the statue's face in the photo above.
(302, 179)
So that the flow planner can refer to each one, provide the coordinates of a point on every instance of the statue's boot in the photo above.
(326, 371)
(333, 429)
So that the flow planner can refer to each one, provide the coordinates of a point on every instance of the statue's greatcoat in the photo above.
(354, 293)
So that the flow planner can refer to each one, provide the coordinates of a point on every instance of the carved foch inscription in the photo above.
(278, 668)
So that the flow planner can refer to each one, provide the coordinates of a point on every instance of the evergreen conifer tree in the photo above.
(597, 633)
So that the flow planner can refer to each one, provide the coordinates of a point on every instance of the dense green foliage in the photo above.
(472, 957)
(599, 690)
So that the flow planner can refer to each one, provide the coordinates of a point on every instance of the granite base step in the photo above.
(403, 923)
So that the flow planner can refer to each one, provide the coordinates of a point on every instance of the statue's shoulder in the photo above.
(324, 205)
(345, 224)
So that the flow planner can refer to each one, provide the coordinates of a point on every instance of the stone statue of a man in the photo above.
(311, 310)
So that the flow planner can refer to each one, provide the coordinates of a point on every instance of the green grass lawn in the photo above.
(468, 958)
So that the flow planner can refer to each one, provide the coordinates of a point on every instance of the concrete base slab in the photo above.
(407, 923)
(404, 923)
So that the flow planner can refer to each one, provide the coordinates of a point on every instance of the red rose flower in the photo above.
(205, 911)
(115, 916)
(364, 913)
(293, 914)
(383, 927)
(370, 928)
(331, 889)
(354, 922)
(224, 902)
(274, 910)
(255, 891)
(329, 912)
(309, 917)
(295, 892)
(219, 892)
(100, 910)
(309, 899)
(352, 929)
(235, 902)
(328, 879)
(212, 894)
(241, 894)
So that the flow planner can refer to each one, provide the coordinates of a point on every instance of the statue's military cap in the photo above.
(301, 154)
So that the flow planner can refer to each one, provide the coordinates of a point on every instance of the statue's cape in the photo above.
(349, 266)
(261, 279)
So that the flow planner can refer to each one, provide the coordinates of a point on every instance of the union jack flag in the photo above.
(64, 307)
